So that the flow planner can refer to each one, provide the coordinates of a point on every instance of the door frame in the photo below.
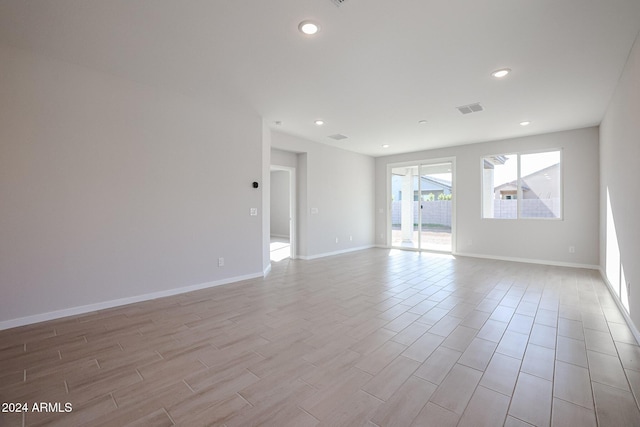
(292, 208)
(419, 163)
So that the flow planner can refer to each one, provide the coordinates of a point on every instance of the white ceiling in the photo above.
(373, 71)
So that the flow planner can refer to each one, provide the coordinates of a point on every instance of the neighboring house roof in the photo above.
(438, 182)
(511, 186)
(542, 173)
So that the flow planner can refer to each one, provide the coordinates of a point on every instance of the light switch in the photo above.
(254, 211)
(314, 211)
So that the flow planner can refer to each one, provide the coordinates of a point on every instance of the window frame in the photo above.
(519, 204)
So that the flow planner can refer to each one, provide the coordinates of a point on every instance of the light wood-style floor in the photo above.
(375, 337)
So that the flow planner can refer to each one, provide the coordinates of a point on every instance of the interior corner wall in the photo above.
(619, 194)
(111, 189)
(531, 240)
(335, 197)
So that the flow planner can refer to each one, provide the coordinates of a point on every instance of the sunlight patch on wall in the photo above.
(613, 265)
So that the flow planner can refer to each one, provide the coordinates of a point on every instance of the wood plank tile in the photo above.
(543, 335)
(387, 381)
(478, 354)
(136, 417)
(568, 414)
(405, 404)
(216, 413)
(513, 344)
(255, 351)
(531, 400)
(607, 369)
(492, 330)
(374, 341)
(353, 410)
(422, 348)
(457, 388)
(376, 361)
(84, 414)
(615, 407)
(322, 403)
(486, 408)
(410, 334)
(438, 365)
(501, 374)
(629, 355)
(433, 415)
(572, 384)
(539, 361)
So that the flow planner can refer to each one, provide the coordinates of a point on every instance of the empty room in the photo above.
(319, 213)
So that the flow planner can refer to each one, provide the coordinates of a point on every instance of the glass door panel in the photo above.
(404, 212)
(436, 194)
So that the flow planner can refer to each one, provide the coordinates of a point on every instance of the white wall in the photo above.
(280, 198)
(340, 185)
(284, 158)
(533, 239)
(619, 192)
(110, 189)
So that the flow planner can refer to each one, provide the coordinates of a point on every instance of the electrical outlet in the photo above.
(336, 240)
(221, 262)
(351, 238)
(572, 249)
(254, 211)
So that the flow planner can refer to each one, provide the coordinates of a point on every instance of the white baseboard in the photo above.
(267, 270)
(632, 327)
(74, 311)
(326, 254)
(529, 260)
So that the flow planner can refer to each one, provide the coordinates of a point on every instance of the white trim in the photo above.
(343, 251)
(623, 310)
(293, 208)
(73, 311)
(530, 261)
(267, 270)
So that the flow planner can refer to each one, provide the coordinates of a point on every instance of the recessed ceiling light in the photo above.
(422, 122)
(319, 122)
(309, 28)
(385, 146)
(525, 123)
(501, 73)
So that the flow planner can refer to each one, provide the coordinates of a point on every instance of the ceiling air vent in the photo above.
(337, 136)
(338, 2)
(471, 108)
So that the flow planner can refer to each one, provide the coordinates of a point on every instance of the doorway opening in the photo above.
(282, 243)
(422, 205)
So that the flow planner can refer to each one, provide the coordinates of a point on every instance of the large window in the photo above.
(522, 185)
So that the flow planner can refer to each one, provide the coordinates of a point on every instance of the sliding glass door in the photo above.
(422, 206)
